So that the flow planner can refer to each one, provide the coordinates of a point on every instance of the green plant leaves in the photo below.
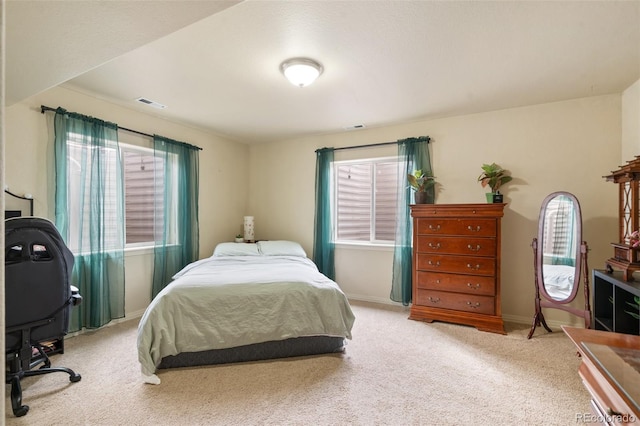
(493, 176)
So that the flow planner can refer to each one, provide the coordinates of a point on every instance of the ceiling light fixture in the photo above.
(301, 72)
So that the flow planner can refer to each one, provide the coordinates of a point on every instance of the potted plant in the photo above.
(420, 182)
(635, 305)
(239, 238)
(494, 177)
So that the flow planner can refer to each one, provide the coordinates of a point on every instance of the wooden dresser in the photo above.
(456, 264)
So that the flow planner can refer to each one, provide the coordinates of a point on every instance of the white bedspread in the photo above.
(224, 302)
(558, 280)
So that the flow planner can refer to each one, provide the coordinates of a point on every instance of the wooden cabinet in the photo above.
(615, 307)
(611, 373)
(456, 264)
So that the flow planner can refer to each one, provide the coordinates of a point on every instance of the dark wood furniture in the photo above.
(610, 371)
(456, 264)
(17, 213)
(613, 302)
(625, 257)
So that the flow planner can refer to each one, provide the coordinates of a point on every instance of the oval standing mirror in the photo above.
(560, 258)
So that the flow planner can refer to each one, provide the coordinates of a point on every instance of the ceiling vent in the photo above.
(151, 103)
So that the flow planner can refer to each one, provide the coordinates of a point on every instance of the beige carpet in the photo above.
(394, 371)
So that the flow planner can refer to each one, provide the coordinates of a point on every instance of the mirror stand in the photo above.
(560, 259)
(538, 318)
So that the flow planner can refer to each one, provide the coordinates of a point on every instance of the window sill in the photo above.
(138, 251)
(364, 246)
(142, 249)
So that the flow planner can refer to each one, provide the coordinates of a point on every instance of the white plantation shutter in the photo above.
(354, 202)
(142, 196)
(386, 187)
(365, 200)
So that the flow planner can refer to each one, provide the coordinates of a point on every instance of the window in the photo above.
(80, 166)
(144, 194)
(365, 200)
(559, 245)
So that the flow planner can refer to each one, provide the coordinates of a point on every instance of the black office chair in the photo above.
(38, 300)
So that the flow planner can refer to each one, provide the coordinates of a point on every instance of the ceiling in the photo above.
(215, 65)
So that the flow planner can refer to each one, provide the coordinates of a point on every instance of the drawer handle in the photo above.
(434, 228)
(436, 263)
(476, 248)
(473, 286)
(434, 246)
(434, 299)
(473, 305)
(472, 229)
(475, 268)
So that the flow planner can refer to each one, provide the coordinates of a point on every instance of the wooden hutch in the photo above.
(625, 257)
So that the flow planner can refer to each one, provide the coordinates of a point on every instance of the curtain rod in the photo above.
(375, 144)
(44, 108)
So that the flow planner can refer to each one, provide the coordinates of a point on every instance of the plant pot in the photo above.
(494, 197)
(239, 240)
(421, 197)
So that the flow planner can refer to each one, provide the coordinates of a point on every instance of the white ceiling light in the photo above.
(301, 72)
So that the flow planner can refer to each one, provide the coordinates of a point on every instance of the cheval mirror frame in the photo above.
(557, 249)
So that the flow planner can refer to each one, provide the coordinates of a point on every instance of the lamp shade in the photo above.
(301, 72)
(248, 228)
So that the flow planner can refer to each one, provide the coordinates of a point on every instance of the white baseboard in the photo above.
(127, 317)
(134, 315)
(380, 300)
(517, 319)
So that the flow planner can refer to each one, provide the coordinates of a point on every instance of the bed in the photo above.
(246, 302)
(558, 280)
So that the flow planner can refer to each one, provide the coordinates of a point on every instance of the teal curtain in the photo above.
(413, 154)
(89, 212)
(323, 246)
(176, 226)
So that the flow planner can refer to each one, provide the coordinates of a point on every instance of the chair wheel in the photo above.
(19, 412)
(75, 378)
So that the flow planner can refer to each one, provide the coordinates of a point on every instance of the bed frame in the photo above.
(294, 347)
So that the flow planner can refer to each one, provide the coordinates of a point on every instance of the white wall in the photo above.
(559, 146)
(630, 122)
(222, 200)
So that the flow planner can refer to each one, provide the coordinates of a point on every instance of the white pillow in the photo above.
(236, 249)
(281, 248)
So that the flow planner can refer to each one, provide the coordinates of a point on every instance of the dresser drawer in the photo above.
(454, 245)
(456, 301)
(460, 227)
(456, 264)
(469, 284)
